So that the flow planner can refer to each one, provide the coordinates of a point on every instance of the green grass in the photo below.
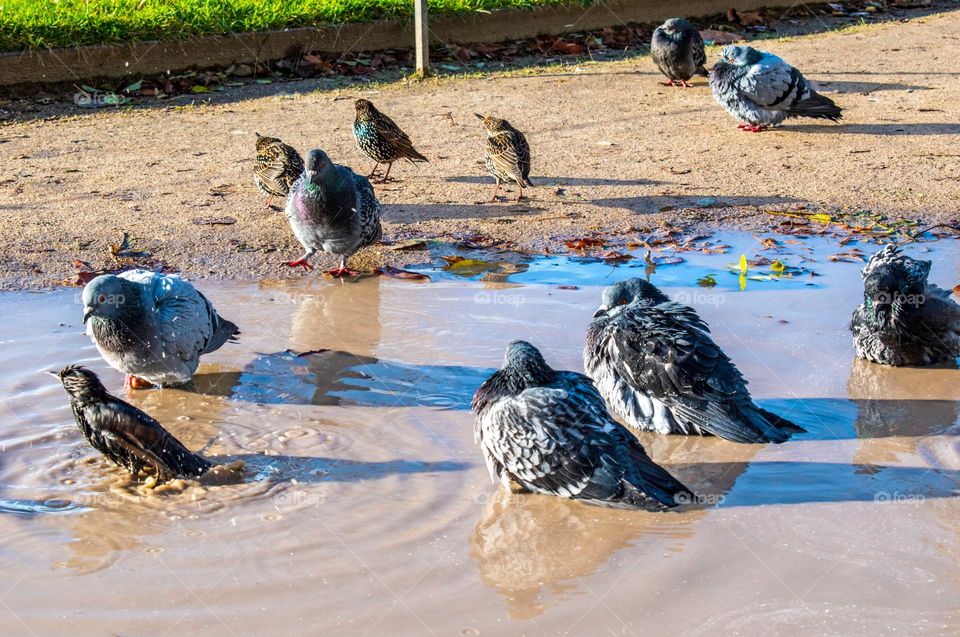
(59, 23)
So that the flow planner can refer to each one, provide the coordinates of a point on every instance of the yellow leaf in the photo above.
(822, 217)
(777, 267)
(743, 264)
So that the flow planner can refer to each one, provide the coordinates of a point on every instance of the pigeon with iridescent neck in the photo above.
(904, 319)
(153, 327)
(759, 90)
(677, 50)
(332, 210)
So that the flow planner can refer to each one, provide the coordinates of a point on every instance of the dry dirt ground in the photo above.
(612, 151)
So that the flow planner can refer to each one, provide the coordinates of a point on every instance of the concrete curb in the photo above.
(150, 58)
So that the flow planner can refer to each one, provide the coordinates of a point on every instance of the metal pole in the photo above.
(423, 37)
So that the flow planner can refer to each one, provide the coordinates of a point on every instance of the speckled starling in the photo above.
(381, 139)
(276, 168)
(506, 154)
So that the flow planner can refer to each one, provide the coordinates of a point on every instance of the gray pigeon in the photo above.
(904, 320)
(759, 90)
(333, 210)
(677, 50)
(658, 369)
(123, 433)
(153, 327)
(549, 432)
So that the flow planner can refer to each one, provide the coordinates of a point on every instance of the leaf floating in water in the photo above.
(410, 244)
(649, 259)
(613, 256)
(708, 281)
(397, 273)
(849, 256)
(743, 282)
(743, 266)
(777, 267)
(585, 243)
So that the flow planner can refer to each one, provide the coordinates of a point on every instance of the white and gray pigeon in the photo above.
(677, 50)
(904, 320)
(759, 89)
(549, 432)
(333, 210)
(153, 327)
(656, 365)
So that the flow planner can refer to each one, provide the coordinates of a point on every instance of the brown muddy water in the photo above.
(366, 509)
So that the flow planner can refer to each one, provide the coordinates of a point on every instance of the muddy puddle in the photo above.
(366, 508)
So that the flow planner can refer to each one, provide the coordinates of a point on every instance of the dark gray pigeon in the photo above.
(153, 327)
(123, 433)
(549, 432)
(904, 320)
(658, 369)
(759, 89)
(677, 50)
(332, 210)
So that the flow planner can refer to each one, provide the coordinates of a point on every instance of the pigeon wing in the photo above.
(563, 441)
(771, 83)
(666, 352)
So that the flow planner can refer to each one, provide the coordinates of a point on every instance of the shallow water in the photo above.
(367, 510)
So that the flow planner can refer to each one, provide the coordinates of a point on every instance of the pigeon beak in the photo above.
(600, 312)
(53, 373)
(479, 116)
(87, 313)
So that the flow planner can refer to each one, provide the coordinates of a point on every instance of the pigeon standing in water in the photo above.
(381, 139)
(123, 433)
(658, 369)
(153, 327)
(904, 320)
(549, 432)
(276, 168)
(333, 210)
(759, 90)
(677, 50)
(507, 154)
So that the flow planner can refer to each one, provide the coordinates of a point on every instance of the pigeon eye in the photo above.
(622, 301)
(102, 299)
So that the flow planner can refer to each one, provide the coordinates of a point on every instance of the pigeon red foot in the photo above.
(132, 382)
(299, 263)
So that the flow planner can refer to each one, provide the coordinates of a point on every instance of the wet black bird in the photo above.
(677, 50)
(904, 320)
(507, 154)
(123, 433)
(381, 139)
(549, 432)
(659, 370)
(276, 167)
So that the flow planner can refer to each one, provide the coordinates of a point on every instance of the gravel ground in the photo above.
(613, 151)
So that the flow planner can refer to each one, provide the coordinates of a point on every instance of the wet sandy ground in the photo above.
(611, 150)
(366, 509)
